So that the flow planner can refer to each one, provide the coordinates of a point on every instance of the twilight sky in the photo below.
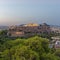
(13, 12)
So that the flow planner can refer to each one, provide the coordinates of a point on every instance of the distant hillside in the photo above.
(3, 27)
(56, 26)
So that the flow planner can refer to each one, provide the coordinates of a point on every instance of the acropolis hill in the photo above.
(28, 30)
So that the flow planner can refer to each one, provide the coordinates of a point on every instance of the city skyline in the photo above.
(13, 12)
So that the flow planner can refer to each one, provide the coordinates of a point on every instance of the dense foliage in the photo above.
(34, 48)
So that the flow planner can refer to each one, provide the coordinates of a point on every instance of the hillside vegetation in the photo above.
(33, 48)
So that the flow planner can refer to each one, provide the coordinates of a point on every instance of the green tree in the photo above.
(34, 48)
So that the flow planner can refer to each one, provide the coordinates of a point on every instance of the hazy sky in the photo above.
(13, 12)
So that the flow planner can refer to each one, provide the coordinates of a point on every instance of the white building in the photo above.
(57, 44)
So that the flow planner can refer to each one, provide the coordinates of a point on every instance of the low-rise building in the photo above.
(57, 45)
(55, 29)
